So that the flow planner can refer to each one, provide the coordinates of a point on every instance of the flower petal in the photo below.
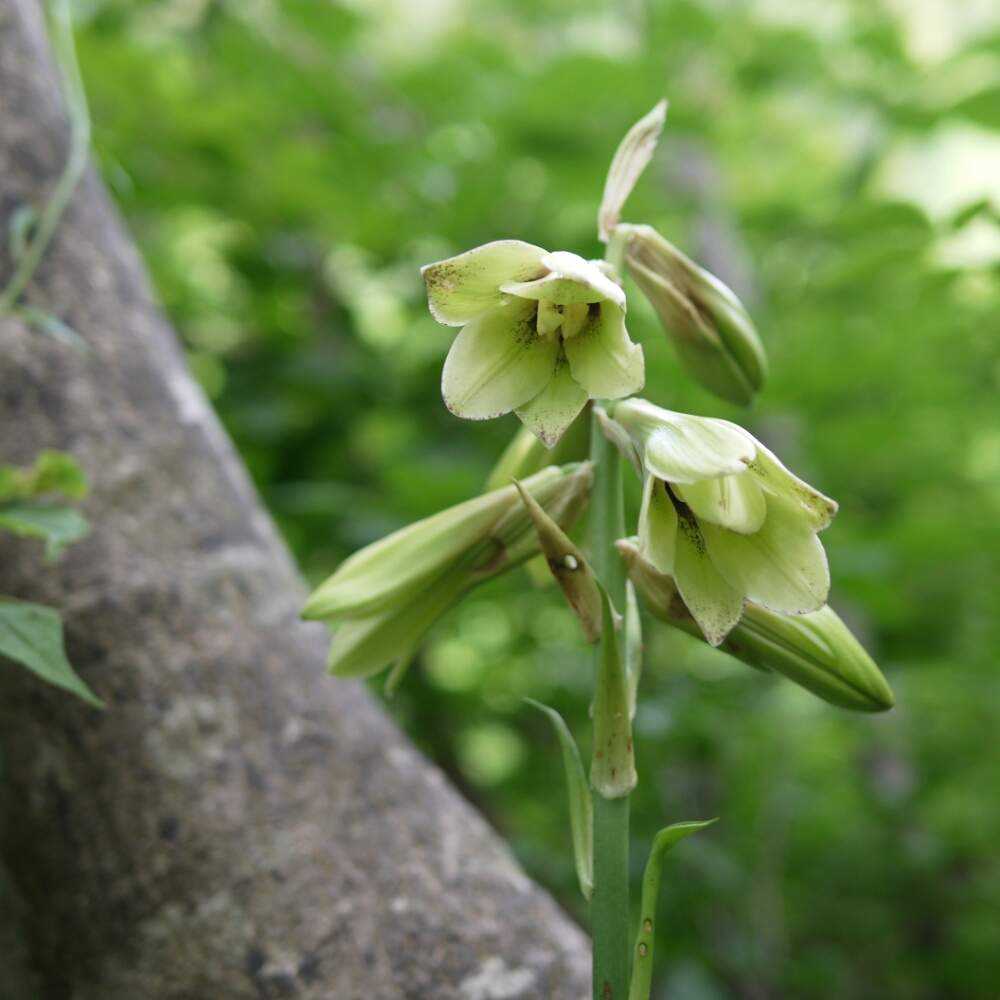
(778, 481)
(602, 358)
(551, 411)
(713, 602)
(657, 525)
(733, 502)
(783, 566)
(570, 279)
(696, 448)
(463, 287)
(497, 363)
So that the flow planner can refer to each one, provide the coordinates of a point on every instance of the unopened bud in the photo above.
(711, 330)
(817, 650)
(384, 598)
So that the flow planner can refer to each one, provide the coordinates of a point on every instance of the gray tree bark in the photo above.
(236, 824)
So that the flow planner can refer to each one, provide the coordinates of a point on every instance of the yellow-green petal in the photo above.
(602, 358)
(568, 279)
(714, 603)
(733, 502)
(783, 566)
(497, 363)
(553, 409)
(775, 479)
(464, 287)
(657, 525)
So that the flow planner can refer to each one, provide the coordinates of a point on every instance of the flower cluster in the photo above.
(727, 540)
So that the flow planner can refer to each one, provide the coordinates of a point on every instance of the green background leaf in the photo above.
(32, 635)
(58, 526)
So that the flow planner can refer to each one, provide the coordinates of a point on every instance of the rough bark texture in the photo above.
(235, 824)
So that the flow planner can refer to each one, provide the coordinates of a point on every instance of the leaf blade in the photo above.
(581, 806)
(32, 635)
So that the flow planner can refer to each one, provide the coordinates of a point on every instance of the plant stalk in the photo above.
(610, 901)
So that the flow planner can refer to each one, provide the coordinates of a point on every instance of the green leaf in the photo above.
(58, 526)
(52, 472)
(581, 806)
(642, 966)
(32, 635)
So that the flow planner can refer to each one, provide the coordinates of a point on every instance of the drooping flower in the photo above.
(724, 518)
(541, 334)
(815, 650)
(383, 599)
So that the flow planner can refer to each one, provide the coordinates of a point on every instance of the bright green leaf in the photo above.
(32, 635)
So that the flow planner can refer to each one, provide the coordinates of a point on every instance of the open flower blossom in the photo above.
(723, 517)
(541, 334)
(383, 599)
(815, 650)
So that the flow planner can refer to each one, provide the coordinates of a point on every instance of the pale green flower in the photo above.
(383, 599)
(724, 518)
(541, 334)
(815, 650)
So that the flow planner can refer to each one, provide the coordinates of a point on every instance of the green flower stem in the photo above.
(76, 162)
(610, 901)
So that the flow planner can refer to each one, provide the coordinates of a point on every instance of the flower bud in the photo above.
(817, 650)
(711, 331)
(385, 597)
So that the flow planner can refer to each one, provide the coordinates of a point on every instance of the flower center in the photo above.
(553, 319)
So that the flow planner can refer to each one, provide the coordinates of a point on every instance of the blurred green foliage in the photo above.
(286, 168)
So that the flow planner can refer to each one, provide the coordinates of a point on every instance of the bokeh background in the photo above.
(287, 166)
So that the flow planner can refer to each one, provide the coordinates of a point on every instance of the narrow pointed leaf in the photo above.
(581, 807)
(642, 966)
(568, 565)
(612, 770)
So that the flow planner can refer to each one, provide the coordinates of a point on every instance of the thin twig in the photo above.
(76, 162)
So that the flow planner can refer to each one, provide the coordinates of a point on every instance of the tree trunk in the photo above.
(236, 824)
